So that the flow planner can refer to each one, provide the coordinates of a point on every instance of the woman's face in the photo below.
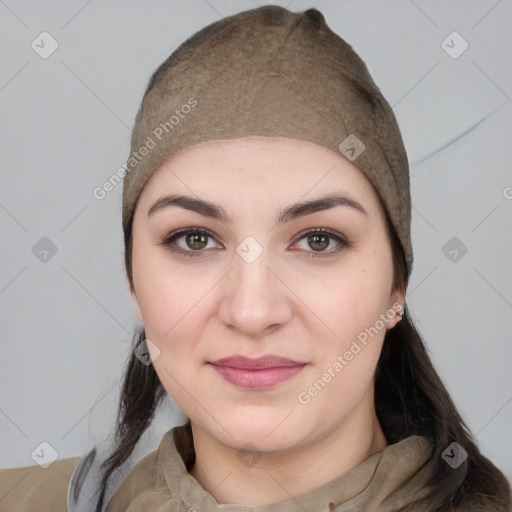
(263, 282)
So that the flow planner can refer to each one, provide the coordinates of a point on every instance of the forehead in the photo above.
(276, 169)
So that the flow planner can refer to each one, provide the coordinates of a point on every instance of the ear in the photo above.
(137, 307)
(396, 306)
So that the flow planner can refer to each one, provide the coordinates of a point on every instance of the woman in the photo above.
(266, 218)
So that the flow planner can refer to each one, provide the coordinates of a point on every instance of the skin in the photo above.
(198, 309)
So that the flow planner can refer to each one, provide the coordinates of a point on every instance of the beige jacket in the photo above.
(160, 482)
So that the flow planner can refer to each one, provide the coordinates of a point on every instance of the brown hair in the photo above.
(410, 399)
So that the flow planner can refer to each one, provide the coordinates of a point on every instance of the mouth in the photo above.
(257, 373)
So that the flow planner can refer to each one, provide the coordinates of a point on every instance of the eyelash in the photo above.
(169, 239)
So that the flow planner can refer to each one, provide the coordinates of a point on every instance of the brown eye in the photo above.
(319, 242)
(193, 241)
(188, 241)
(196, 241)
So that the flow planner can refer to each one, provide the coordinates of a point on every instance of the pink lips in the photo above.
(259, 372)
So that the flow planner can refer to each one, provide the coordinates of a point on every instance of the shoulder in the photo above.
(142, 481)
(35, 488)
(146, 486)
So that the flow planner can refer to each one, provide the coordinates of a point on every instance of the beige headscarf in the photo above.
(271, 72)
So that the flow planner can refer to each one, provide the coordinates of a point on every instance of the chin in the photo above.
(274, 430)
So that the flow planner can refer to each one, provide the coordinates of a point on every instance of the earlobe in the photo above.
(396, 317)
(398, 299)
(391, 323)
(397, 306)
(137, 308)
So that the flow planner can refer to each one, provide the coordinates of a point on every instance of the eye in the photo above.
(196, 239)
(319, 239)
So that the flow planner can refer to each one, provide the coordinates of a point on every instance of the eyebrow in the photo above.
(286, 214)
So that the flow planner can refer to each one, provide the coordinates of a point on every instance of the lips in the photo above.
(259, 372)
(256, 363)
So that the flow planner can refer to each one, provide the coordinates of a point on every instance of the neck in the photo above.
(275, 477)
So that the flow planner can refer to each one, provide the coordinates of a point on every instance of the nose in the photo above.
(256, 299)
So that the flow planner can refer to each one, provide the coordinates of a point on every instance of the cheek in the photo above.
(171, 309)
(353, 300)
(172, 312)
(161, 294)
(352, 306)
(174, 306)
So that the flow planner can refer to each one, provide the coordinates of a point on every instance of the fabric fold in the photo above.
(382, 483)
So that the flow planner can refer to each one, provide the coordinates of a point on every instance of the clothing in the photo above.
(160, 482)
(270, 72)
(34, 489)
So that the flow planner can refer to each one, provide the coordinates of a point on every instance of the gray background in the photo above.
(65, 129)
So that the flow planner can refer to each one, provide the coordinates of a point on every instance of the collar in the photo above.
(384, 481)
